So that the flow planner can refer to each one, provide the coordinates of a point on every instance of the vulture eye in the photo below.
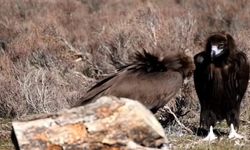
(221, 45)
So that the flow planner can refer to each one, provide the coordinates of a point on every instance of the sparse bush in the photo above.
(56, 49)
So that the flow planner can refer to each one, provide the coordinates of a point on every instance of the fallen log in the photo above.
(109, 123)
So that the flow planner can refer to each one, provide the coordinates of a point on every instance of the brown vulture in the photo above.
(221, 79)
(150, 79)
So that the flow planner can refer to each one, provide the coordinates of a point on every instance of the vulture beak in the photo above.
(215, 51)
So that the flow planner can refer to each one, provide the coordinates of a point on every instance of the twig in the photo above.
(178, 121)
(71, 48)
(245, 121)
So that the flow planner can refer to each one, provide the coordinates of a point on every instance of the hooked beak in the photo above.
(215, 51)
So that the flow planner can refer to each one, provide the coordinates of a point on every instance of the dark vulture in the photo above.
(150, 79)
(221, 79)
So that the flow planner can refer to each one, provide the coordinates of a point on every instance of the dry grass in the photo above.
(56, 49)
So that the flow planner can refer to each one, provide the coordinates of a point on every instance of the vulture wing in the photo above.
(242, 75)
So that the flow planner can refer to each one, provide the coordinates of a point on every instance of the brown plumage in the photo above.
(150, 79)
(221, 79)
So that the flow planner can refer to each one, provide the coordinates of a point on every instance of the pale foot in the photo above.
(233, 134)
(211, 136)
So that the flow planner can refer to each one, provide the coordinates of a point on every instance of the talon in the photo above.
(211, 136)
(233, 134)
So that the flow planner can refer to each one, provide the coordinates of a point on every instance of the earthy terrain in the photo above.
(51, 52)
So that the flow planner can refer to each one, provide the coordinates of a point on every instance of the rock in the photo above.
(109, 123)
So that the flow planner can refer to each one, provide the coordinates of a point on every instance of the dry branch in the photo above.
(177, 120)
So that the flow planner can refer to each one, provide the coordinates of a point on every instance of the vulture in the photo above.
(221, 78)
(150, 79)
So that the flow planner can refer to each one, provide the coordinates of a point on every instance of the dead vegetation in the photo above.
(54, 50)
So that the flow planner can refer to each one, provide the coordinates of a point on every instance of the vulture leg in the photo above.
(211, 136)
(233, 134)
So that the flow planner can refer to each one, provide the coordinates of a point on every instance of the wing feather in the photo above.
(199, 76)
(242, 74)
(152, 89)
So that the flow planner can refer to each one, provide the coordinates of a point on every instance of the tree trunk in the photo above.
(108, 123)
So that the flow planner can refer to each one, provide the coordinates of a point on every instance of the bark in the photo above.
(108, 123)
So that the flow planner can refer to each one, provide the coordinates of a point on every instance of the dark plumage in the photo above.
(221, 79)
(150, 79)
